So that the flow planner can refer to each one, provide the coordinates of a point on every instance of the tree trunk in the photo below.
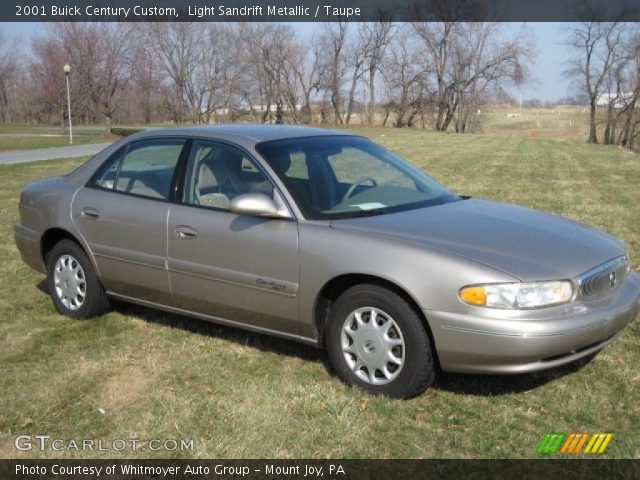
(386, 115)
(279, 113)
(592, 123)
(447, 121)
(351, 103)
(335, 101)
(372, 98)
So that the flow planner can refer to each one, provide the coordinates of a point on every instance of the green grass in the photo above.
(20, 142)
(51, 129)
(238, 394)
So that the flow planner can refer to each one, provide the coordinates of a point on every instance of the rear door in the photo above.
(122, 214)
(239, 268)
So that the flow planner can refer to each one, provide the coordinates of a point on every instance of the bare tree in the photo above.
(275, 61)
(45, 71)
(598, 50)
(9, 70)
(306, 71)
(629, 114)
(468, 57)
(483, 59)
(375, 38)
(405, 79)
(99, 55)
(355, 58)
(333, 42)
(147, 91)
(178, 49)
(437, 38)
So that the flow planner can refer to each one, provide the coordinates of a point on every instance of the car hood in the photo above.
(525, 243)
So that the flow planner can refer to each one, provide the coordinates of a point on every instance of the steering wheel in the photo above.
(359, 182)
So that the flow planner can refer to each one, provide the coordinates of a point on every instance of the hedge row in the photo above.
(125, 132)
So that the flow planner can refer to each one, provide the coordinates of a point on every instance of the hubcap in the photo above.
(69, 281)
(372, 345)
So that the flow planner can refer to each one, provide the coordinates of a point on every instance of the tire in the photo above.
(73, 285)
(406, 339)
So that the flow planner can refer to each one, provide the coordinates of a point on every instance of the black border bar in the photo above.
(567, 469)
(319, 10)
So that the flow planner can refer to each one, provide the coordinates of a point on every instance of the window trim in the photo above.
(179, 175)
(124, 150)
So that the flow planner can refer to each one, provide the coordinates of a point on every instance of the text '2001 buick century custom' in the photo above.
(329, 239)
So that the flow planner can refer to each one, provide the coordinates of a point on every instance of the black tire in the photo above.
(95, 302)
(418, 371)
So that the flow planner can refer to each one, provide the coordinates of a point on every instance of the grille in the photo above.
(604, 278)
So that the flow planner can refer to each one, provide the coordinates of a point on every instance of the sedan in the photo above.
(326, 238)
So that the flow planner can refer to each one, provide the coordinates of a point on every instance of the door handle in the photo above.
(90, 212)
(186, 233)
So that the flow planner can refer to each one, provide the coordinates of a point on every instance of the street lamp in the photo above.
(67, 71)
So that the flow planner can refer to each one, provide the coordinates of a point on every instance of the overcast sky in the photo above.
(549, 84)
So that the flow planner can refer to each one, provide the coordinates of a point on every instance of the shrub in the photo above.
(125, 132)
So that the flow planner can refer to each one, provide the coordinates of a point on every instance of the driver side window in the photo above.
(217, 173)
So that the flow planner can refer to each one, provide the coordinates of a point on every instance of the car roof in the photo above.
(247, 132)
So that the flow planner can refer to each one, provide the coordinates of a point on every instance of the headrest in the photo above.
(281, 162)
(212, 175)
(230, 160)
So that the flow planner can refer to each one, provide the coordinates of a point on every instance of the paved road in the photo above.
(71, 151)
(61, 135)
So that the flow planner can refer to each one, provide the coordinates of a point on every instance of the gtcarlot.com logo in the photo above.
(574, 443)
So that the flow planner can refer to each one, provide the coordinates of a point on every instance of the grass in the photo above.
(22, 142)
(559, 123)
(238, 394)
(7, 128)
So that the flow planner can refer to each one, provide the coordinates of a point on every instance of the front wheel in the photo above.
(73, 285)
(376, 340)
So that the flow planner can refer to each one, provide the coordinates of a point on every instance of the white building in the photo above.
(619, 100)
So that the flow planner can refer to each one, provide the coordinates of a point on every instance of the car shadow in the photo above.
(464, 384)
(495, 385)
(239, 336)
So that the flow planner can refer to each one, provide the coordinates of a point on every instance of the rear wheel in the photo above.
(73, 284)
(376, 340)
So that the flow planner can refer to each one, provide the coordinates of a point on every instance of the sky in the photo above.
(548, 85)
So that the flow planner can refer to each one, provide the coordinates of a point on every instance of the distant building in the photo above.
(619, 99)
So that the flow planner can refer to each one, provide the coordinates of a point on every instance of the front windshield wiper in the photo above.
(359, 213)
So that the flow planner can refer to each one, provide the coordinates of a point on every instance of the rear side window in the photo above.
(145, 168)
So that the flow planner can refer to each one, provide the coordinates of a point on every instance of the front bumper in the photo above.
(504, 342)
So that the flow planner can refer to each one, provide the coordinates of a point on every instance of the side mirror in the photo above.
(255, 205)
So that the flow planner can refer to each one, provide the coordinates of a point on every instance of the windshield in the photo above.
(347, 176)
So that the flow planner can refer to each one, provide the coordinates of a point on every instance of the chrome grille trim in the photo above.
(604, 278)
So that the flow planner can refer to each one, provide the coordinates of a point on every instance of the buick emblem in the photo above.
(612, 278)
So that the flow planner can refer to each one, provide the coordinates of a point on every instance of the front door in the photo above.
(234, 267)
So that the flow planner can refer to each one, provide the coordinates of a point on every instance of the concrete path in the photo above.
(71, 151)
(56, 135)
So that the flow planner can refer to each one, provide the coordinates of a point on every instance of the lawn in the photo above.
(237, 394)
(30, 142)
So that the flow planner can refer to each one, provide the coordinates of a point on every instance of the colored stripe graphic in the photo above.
(574, 443)
(581, 443)
(606, 442)
(598, 443)
(550, 443)
(567, 444)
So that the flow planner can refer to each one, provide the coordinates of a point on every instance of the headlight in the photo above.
(518, 295)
